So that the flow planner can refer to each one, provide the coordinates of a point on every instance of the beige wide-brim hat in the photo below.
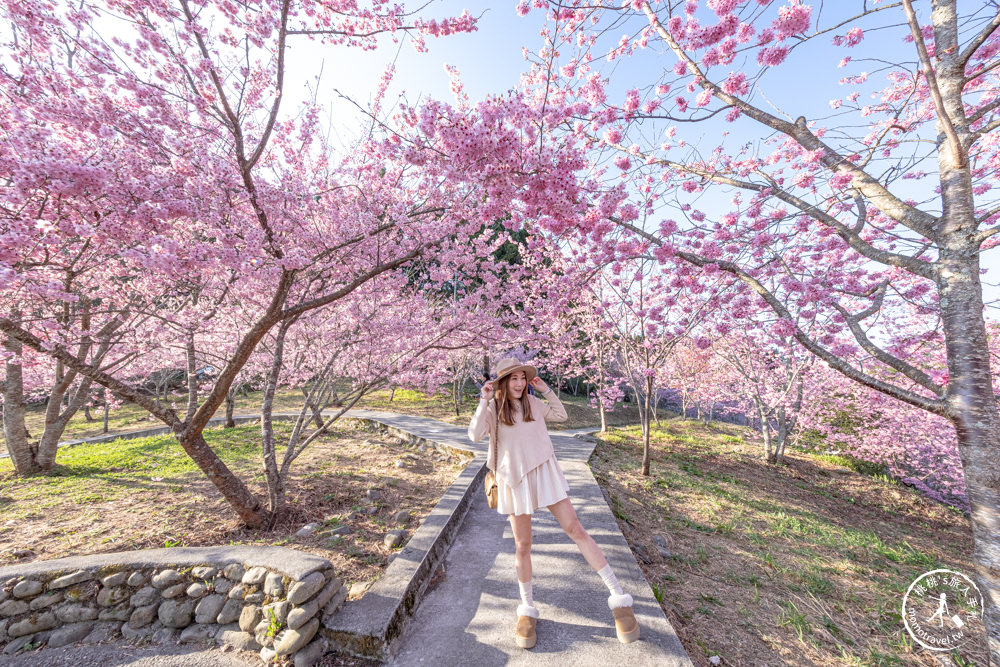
(507, 366)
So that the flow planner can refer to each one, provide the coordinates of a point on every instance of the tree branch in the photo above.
(979, 40)
(932, 85)
(910, 216)
(935, 406)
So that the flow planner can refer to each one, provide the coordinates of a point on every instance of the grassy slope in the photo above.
(804, 564)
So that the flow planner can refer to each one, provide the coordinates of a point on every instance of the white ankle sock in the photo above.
(610, 580)
(526, 594)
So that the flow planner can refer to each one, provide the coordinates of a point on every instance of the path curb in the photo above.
(370, 626)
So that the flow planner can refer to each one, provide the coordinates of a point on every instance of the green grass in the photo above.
(98, 472)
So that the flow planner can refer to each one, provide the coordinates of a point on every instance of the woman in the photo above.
(529, 477)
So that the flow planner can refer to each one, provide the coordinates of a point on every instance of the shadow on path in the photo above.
(467, 616)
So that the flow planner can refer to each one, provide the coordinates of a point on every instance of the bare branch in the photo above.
(917, 220)
(932, 85)
(979, 39)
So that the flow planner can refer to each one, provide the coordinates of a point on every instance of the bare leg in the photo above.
(520, 524)
(566, 516)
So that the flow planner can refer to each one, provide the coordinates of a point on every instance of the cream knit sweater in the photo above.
(523, 446)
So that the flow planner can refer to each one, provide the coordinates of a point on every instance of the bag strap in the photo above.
(495, 436)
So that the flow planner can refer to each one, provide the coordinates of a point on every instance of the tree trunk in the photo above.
(317, 410)
(783, 430)
(765, 429)
(275, 487)
(247, 506)
(646, 427)
(230, 408)
(21, 452)
(56, 420)
(86, 413)
(107, 408)
(977, 424)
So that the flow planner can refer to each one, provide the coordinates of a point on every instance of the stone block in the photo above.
(310, 655)
(27, 588)
(116, 579)
(196, 590)
(46, 600)
(254, 576)
(335, 603)
(13, 607)
(208, 609)
(166, 578)
(199, 632)
(174, 591)
(69, 634)
(273, 585)
(279, 610)
(142, 616)
(233, 571)
(33, 624)
(230, 612)
(71, 579)
(241, 641)
(75, 613)
(303, 590)
(84, 592)
(17, 644)
(394, 538)
(289, 641)
(120, 613)
(165, 635)
(176, 613)
(250, 617)
(136, 634)
(136, 579)
(144, 597)
(109, 597)
(237, 592)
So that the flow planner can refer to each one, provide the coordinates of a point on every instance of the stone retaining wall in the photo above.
(266, 599)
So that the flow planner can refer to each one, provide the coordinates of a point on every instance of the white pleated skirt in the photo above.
(541, 487)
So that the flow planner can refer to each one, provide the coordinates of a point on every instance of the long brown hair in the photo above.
(505, 407)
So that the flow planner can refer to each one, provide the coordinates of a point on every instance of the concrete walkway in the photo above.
(467, 617)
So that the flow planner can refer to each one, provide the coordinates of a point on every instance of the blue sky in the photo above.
(491, 61)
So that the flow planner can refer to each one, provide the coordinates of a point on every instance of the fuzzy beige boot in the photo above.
(526, 619)
(626, 625)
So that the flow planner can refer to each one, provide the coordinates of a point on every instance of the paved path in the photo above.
(467, 618)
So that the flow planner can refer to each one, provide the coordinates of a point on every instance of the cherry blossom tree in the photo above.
(823, 222)
(169, 161)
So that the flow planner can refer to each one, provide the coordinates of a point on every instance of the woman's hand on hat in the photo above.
(487, 390)
(539, 385)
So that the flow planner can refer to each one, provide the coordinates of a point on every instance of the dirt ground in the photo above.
(804, 564)
(330, 484)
